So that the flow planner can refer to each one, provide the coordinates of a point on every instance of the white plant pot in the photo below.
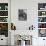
(22, 43)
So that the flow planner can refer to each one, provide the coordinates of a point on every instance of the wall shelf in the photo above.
(3, 10)
(41, 28)
(41, 22)
(42, 10)
(42, 16)
(42, 19)
(3, 16)
(3, 22)
(4, 19)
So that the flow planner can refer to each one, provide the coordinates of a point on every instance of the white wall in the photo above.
(32, 14)
(31, 6)
(3, 1)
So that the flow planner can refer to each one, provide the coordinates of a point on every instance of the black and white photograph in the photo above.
(22, 14)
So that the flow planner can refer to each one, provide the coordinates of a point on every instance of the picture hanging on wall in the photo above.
(22, 14)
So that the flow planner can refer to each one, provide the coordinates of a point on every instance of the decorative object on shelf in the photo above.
(41, 6)
(40, 25)
(45, 7)
(3, 13)
(41, 19)
(4, 26)
(3, 6)
(22, 14)
(3, 19)
(6, 7)
(4, 29)
(43, 13)
(31, 27)
(13, 27)
(0, 7)
(42, 32)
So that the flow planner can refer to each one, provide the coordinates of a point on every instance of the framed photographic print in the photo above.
(22, 14)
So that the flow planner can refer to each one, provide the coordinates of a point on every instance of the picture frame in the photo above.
(22, 14)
